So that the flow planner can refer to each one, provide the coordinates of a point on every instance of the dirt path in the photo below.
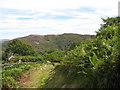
(35, 77)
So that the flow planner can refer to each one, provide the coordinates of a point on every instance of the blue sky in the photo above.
(20, 18)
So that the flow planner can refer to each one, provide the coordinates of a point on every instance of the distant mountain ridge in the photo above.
(3, 40)
(53, 42)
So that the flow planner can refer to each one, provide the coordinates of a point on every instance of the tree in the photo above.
(19, 47)
(114, 21)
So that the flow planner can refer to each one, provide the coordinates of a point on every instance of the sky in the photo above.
(20, 18)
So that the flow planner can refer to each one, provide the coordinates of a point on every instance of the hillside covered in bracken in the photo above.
(52, 42)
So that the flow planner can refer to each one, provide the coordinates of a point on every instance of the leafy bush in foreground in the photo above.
(99, 58)
(11, 74)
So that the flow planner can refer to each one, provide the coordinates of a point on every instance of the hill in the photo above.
(52, 42)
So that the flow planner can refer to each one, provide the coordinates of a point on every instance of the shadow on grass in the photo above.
(63, 77)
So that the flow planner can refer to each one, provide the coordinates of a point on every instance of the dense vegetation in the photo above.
(99, 59)
(19, 47)
(95, 63)
(12, 74)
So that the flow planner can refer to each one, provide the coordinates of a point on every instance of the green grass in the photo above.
(11, 74)
(63, 77)
(37, 76)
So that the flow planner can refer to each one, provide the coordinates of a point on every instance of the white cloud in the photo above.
(57, 4)
(82, 22)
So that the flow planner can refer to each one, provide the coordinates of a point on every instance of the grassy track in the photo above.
(35, 78)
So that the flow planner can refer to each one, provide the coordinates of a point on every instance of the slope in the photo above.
(53, 42)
